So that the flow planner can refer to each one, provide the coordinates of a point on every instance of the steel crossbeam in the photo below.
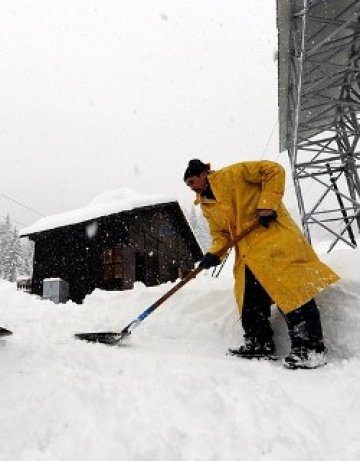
(319, 107)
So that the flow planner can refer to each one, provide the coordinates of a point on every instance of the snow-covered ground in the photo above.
(171, 393)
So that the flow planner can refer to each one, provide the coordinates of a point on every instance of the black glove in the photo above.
(267, 219)
(209, 260)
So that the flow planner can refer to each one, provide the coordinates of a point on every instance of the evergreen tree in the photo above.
(200, 228)
(15, 257)
(205, 238)
(5, 243)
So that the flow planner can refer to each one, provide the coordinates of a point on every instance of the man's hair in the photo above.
(195, 168)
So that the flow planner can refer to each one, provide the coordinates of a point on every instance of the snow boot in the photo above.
(305, 358)
(253, 349)
(307, 343)
(255, 322)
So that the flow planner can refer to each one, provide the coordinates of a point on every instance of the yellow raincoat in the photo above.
(280, 257)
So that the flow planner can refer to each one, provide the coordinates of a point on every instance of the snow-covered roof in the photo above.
(105, 204)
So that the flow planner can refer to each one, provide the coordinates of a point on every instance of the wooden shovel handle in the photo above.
(250, 227)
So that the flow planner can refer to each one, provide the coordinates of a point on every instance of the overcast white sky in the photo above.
(100, 94)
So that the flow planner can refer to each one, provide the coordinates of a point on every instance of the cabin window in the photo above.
(112, 263)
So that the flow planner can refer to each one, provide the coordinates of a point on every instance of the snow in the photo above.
(115, 201)
(171, 393)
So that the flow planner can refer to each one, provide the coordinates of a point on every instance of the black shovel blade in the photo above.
(4, 332)
(104, 337)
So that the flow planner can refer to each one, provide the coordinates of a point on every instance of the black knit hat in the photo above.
(195, 168)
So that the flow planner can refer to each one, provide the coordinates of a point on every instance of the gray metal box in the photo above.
(55, 289)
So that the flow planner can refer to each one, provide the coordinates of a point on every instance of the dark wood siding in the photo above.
(151, 245)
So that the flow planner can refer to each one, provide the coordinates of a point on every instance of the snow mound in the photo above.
(171, 392)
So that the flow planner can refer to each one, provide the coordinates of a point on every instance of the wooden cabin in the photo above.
(151, 244)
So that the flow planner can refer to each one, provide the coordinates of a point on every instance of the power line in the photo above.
(21, 204)
(13, 220)
(269, 139)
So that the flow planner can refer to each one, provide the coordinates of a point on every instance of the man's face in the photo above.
(197, 183)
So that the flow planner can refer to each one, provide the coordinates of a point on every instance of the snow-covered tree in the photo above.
(15, 257)
(5, 241)
(200, 228)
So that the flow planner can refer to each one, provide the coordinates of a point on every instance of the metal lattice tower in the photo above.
(319, 103)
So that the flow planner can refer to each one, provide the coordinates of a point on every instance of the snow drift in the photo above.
(171, 393)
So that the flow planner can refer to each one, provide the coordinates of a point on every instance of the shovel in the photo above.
(4, 332)
(112, 337)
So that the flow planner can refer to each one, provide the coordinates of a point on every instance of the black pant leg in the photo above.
(304, 325)
(256, 310)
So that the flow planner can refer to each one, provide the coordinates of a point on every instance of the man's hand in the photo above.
(209, 260)
(266, 217)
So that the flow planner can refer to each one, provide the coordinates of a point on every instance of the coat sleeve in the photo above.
(220, 236)
(271, 176)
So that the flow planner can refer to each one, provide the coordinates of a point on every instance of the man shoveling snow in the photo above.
(273, 264)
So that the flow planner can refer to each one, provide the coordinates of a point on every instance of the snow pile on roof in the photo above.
(107, 203)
